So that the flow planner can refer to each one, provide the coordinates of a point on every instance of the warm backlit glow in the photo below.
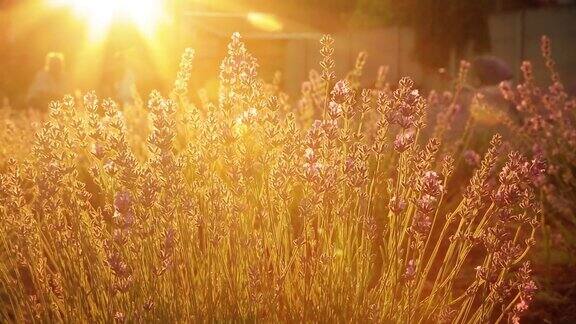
(100, 14)
(264, 21)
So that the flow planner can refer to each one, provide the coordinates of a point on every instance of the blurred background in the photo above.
(110, 45)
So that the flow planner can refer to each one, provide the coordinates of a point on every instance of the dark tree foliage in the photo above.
(442, 26)
(446, 25)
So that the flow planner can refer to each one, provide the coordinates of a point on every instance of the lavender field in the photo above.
(380, 202)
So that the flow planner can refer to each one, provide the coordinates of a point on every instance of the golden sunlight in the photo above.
(264, 21)
(100, 14)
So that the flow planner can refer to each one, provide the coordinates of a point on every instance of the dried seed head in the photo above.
(334, 110)
(341, 92)
(404, 140)
(472, 158)
(410, 272)
(123, 201)
(431, 184)
(397, 205)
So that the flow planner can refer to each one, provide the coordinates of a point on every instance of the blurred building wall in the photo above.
(392, 47)
(515, 36)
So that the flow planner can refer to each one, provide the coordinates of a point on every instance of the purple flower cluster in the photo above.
(404, 140)
(516, 179)
(430, 188)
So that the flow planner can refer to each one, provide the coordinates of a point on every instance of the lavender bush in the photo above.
(248, 209)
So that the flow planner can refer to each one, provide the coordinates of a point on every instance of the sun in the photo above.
(100, 14)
